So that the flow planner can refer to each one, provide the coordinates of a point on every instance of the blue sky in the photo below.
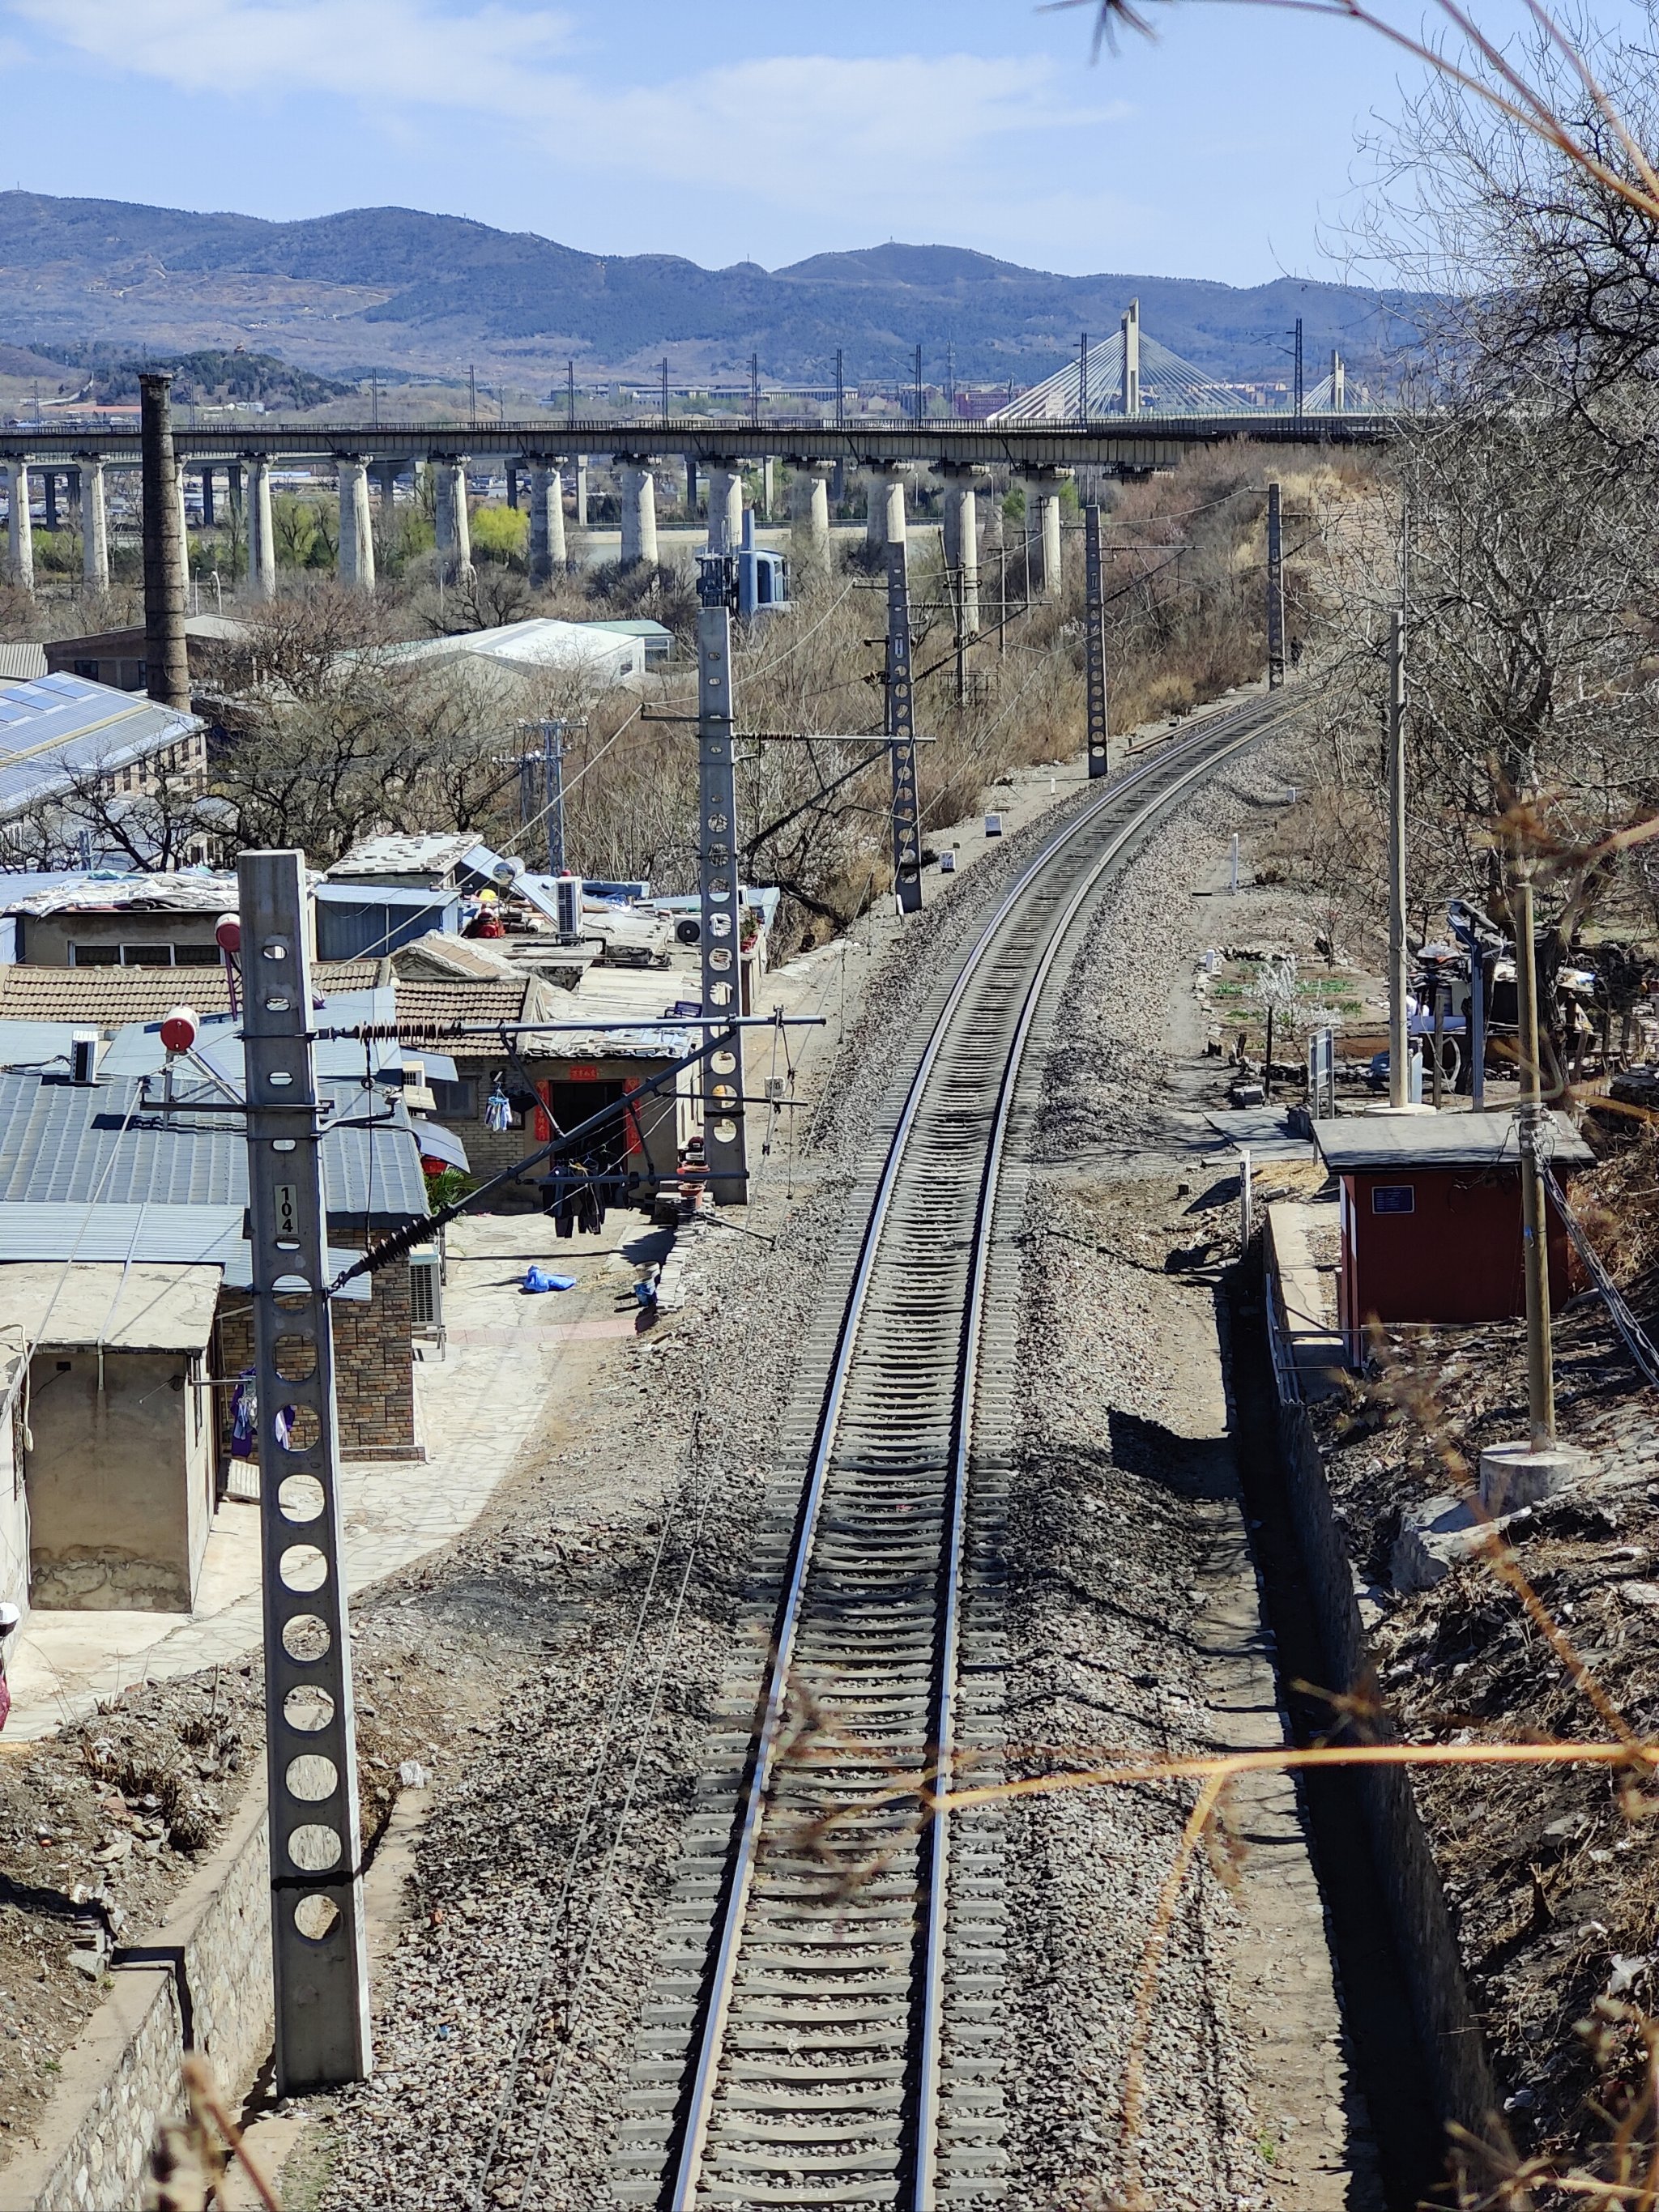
(728, 132)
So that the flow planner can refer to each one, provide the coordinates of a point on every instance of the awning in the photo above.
(437, 1143)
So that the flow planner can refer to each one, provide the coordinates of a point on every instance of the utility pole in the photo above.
(551, 809)
(1094, 646)
(570, 390)
(374, 400)
(1275, 591)
(754, 388)
(901, 733)
(841, 392)
(1083, 380)
(1399, 1035)
(949, 379)
(664, 388)
(918, 385)
(472, 395)
(1533, 1131)
(721, 903)
(320, 1954)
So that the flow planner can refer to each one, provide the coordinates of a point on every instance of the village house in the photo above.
(103, 1172)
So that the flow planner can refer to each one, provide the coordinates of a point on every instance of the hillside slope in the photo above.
(395, 288)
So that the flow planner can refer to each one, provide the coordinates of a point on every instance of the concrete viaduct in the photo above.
(1039, 453)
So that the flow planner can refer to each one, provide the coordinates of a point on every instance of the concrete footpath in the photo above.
(476, 1410)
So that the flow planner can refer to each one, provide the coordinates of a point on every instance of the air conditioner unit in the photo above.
(83, 1055)
(426, 1295)
(568, 906)
(688, 930)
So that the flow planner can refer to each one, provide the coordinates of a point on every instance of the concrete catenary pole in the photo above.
(319, 1950)
(95, 525)
(901, 732)
(1398, 1034)
(1275, 591)
(20, 531)
(721, 894)
(166, 657)
(1094, 647)
(1533, 1131)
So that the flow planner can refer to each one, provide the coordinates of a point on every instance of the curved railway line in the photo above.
(824, 2025)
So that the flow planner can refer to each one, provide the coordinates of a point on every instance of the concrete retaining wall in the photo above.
(1452, 2042)
(204, 1983)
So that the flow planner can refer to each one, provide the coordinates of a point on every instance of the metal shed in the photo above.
(1430, 1216)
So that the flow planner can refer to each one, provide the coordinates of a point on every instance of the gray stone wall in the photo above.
(1452, 2042)
(206, 1977)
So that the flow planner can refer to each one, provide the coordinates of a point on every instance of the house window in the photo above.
(142, 956)
(88, 669)
(454, 1102)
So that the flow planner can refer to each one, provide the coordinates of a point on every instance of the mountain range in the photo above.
(409, 294)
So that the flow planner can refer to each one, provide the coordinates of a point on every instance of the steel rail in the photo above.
(1206, 748)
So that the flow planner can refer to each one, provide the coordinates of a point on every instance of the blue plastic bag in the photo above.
(541, 1279)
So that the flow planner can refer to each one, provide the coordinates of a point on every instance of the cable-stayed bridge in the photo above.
(1133, 375)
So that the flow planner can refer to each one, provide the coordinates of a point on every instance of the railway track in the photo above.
(825, 2026)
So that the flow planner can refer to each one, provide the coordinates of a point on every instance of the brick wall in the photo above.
(373, 1365)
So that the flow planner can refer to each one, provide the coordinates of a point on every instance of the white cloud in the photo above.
(395, 49)
(935, 145)
(807, 126)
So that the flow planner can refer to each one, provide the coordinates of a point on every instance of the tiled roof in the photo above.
(430, 1009)
(110, 998)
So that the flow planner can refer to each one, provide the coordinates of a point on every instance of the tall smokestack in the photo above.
(166, 657)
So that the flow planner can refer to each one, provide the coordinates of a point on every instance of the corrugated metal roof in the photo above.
(36, 1044)
(1359, 1144)
(63, 1142)
(148, 1307)
(181, 1236)
(58, 725)
(138, 1050)
(21, 661)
